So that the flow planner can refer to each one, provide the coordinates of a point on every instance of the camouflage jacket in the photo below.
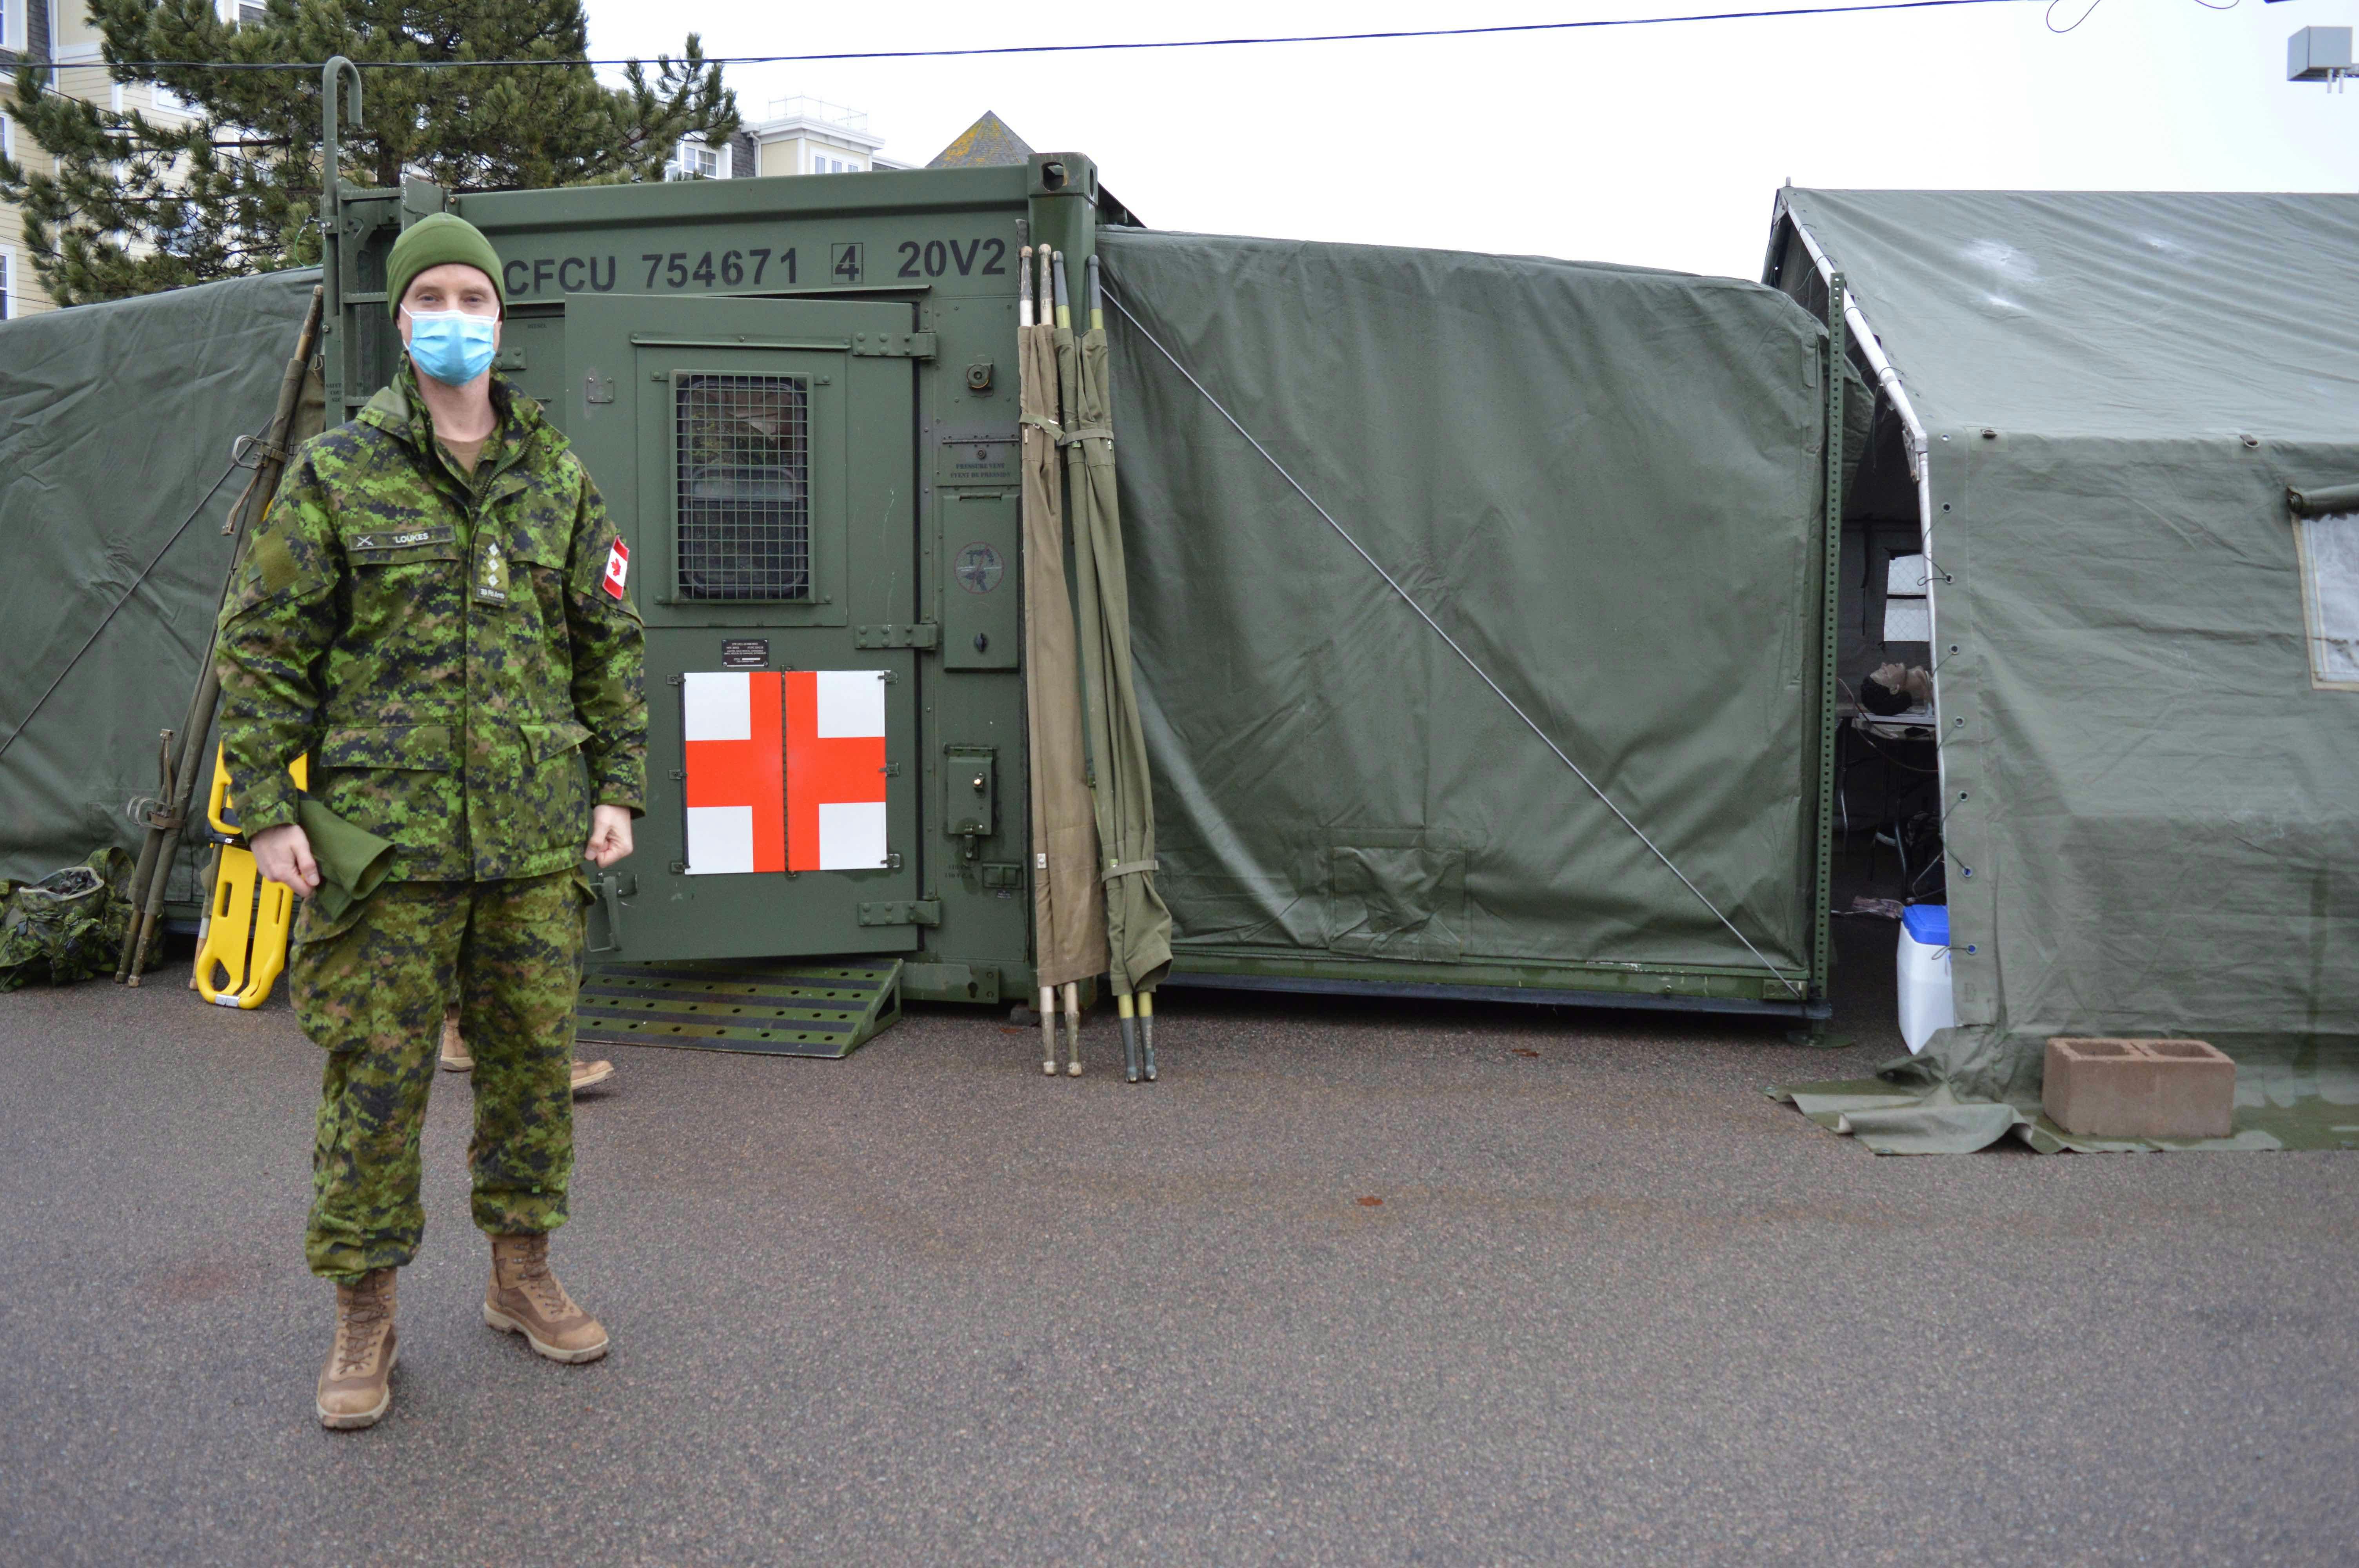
(459, 658)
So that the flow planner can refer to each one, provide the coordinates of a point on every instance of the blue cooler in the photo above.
(1926, 1002)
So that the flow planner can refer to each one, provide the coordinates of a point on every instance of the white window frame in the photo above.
(2328, 672)
(12, 24)
(8, 275)
(7, 133)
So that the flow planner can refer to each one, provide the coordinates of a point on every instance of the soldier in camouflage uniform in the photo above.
(435, 611)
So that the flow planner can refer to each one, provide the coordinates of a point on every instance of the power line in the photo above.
(1493, 30)
(2049, 17)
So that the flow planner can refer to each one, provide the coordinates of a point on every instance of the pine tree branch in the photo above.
(137, 203)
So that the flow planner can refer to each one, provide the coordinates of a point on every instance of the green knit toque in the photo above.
(430, 243)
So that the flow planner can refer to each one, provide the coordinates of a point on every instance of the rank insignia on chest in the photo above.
(618, 566)
(491, 575)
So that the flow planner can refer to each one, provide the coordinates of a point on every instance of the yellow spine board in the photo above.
(242, 941)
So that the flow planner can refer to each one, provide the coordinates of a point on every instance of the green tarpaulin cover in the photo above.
(116, 428)
(2152, 811)
(1604, 482)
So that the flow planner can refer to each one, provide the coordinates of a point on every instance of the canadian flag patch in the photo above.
(618, 566)
(785, 770)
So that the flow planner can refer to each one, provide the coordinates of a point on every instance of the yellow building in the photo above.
(58, 32)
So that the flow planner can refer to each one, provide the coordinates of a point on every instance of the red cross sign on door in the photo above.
(785, 771)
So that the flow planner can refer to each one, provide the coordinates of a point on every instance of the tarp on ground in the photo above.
(2152, 810)
(1604, 482)
(117, 428)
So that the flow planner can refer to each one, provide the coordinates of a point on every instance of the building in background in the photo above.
(799, 135)
(989, 143)
(61, 33)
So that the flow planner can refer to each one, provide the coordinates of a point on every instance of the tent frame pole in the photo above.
(1830, 587)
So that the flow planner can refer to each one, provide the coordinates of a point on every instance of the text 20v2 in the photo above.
(936, 258)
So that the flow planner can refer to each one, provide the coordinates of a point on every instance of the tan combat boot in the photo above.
(454, 1049)
(455, 1059)
(355, 1385)
(525, 1298)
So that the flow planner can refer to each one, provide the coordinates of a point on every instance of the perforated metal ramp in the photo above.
(829, 1008)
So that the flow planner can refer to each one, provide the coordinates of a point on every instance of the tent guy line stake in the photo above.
(1480, 674)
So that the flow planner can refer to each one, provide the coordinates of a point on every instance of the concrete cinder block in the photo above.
(2139, 1089)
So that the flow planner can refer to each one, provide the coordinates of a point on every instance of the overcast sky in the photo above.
(1660, 146)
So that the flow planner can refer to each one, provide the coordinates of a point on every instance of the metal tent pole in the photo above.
(1830, 589)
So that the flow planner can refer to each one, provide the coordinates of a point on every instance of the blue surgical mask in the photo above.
(451, 346)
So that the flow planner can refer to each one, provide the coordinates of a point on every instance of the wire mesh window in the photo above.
(743, 472)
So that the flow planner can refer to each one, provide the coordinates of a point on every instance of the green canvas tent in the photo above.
(2150, 796)
(1604, 486)
(119, 463)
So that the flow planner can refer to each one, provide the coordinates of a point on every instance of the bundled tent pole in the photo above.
(181, 767)
(1052, 288)
(1024, 310)
(1053, 291)
(1069, 380)
(1132, 1007)
(1067, 901)
(1048, 993)
(1138, 925)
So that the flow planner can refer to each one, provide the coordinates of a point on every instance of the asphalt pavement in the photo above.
(1355, 1284)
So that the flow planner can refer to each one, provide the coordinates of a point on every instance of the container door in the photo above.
(758, 457)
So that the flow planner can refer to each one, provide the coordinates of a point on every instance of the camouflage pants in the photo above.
(370, 990)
